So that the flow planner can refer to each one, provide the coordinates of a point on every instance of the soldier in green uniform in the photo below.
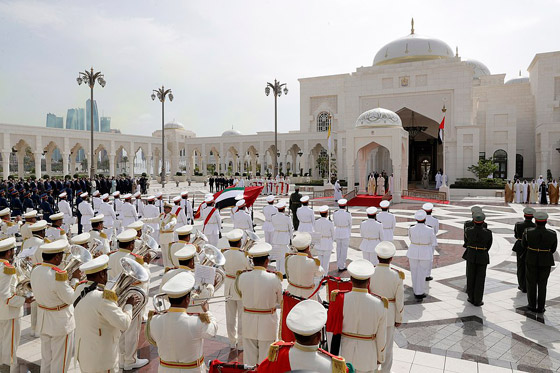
(470, 223)
(518, 230)
(478, 241)
(540, 244)
(295, 204)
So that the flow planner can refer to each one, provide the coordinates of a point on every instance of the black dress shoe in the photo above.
(479, 304)
(421, 296)
(540, 310)
(429, 278)
(521, 289)
(532, 309)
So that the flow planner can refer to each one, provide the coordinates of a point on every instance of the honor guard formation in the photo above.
(80, 252)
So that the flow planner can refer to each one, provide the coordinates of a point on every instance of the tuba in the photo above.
(211, 256)
(78, 255)
(23, 267)
(199, 239)
(96, 248)
(149, 246)
(251, 240)
(124, 285)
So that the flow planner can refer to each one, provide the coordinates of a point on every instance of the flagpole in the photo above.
(329, 141)
(444, 187)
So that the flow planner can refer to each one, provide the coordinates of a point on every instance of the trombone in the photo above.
(160, 301)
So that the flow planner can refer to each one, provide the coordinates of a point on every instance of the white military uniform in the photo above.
(175, 246)
(11, 311)
(139, 206)
(166, 236)
(56, 233)
(66, 209)
(206, 292)
(128, 214)
(302, 272)
(267, 227)
(325, 228)
(87, 213)
(34, 241)
(101, 236)
(388, 282)
(372, 233)
(180, 214)
(109, 217)
(434, 223)
(96, 203)
(242, 220)
(364, 317)
(260, 320)
(117, 206)
(343, 228)
(179, 339)
(151, 212)
(24, 230)
(99, 325)
(306, 219)
(420, 253)
(9, 228)
(283, 230)
(389, 223)
(55, 316)
(236, 260)
(213, 225)
(159, 204)
(187, 206)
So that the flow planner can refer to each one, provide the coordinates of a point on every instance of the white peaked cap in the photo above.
(385, 249)
(95, 265)
(361, 269)
(179, 285)
(301, 240)
(420, 215)
(307, 317)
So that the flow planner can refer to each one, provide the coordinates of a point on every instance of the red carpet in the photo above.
(426, 200)
(365, 200)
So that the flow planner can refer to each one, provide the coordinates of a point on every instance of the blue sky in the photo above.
(217, 56)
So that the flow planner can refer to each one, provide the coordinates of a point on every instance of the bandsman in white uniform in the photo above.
(117, 205)
(109, 215)
(159, 202)
(388, 220)
(364, 320)
(187, 206)
(303, 271)
(434, 223)
(66, 209)
(372, 234)
(55, 313)
(184, 237)
(139, 204)
(179, 212)
(150, 212)
(55, 231)
(325, 227)
(388, 282)
(97, 233)
(99, 320)
(305, 320)
(11, 306)
(9, 228)
(178, 336)
(81, 239)
(96, 200)
(268, 211)
(420, 253)
(87, 212)
(128, 212)
(342, 230)
(166, 224)
(30, 218)
(236, 261)
(242, 218)
(39, 231)
(305, 215)
(128, 343)
(260, 319)
(283, 230)
(212, 221)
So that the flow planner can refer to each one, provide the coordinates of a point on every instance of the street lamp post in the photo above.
(161, 93)
(89, 78)
(277, 90)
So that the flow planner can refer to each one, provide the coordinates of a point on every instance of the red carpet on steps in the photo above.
(365, 200)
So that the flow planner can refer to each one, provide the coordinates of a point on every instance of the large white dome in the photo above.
(232, 132)
(479, 68)
(412, 48)
(174, 125)
(378, 117)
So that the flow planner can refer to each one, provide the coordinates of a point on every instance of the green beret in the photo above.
(529, 211)
(541, 216)
(479, 217)
(476, 208)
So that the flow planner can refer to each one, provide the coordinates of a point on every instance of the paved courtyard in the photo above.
(444, 333)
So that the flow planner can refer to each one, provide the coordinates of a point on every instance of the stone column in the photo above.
(131, 166)
(64, 163)
(37, 157)
(112, 161)
(48, 163)
(20, 156)
(6, 164)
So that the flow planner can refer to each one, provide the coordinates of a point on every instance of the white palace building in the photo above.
(384, 117)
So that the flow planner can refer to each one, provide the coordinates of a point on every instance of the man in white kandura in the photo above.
(388, 282)
(343, 229)
(303, 271)
(372, 234)
(420, 253)
(325, 228)
(268, 211)
(388, 220)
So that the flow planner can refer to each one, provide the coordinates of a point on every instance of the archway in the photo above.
(372, 159)
(78, 160)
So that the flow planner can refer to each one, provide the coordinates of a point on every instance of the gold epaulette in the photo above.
(334, 293)
(280, 276)
(110, 295)
(9, 269)
(317, 262)
(61, 276)
(289, 254)
(204, 317)
(173, 215)
(102, 234)
(338, 364)
(241, 271)
(10, 224)
(62, 232)
(383, 299)
(401, 273)
(223, 250)
(167, 269)
(273, 352)
(47, 240)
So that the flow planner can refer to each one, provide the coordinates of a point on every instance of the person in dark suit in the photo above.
(543, 189)
(478, 241)
(518, 231)
(295, 203)
(540, 244)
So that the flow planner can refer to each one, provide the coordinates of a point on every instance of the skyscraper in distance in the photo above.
(105, 124)
(54, 122)
(75, 119)
(95, 116)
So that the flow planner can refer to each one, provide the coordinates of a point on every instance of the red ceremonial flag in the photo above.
(440, 134)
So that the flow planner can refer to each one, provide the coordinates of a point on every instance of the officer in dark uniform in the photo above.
(518, 230)
(28, 202)
(46, 208)
(36, 199)
(78, 213)
(540, 244)
(470, 223)
(478, 241)
(15, 204)
(3, 200)
(295, 204)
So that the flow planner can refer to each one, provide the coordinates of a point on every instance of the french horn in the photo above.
(124, 285)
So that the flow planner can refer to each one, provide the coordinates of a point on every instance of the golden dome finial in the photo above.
(412, 26)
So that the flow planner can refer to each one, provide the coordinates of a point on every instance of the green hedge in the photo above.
(471, 183)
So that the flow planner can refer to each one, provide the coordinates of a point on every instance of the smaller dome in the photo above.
(378, 117)
(522, 79)
(174, 125)
(479, 68)
(232, 132)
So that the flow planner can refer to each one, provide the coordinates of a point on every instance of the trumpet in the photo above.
(160, 301)
(78, 255)
(124, 285)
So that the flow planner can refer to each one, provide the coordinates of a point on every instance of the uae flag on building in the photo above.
(440, 133)
(227, 197)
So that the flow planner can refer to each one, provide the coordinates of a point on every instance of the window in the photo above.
(482, 155)
(323, 122)
(500, 158)
(518, 165)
